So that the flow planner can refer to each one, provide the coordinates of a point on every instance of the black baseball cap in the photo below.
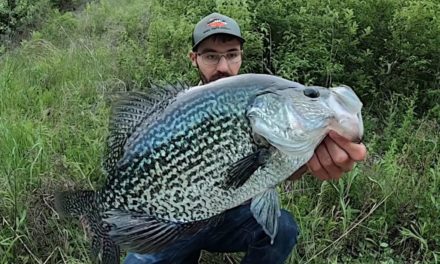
(212, 24)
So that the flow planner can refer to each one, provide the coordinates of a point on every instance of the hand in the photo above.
(334, 156)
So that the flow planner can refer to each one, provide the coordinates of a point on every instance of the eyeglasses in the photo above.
(213, 58)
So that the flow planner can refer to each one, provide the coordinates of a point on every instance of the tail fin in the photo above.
(83, 205)
(75, 203)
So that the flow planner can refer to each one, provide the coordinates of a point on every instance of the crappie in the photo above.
(178, 159)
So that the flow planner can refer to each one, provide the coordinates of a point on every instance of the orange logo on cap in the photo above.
(216, 23)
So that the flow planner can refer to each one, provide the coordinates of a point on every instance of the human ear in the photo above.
(193, 57)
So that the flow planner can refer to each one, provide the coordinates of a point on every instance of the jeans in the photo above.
(236, 232)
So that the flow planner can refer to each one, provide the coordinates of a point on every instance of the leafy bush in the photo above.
(18, 18)
(378, 47)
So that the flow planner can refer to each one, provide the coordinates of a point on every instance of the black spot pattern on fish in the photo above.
(201, 147)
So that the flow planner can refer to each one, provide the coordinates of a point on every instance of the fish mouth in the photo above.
(347, 109)
(359, 139)
(350, 127)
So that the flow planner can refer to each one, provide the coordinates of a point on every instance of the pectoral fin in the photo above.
(241, 170)
(266, 210)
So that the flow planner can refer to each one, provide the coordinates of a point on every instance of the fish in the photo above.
(179, 157)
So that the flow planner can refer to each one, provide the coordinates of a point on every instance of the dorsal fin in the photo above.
(130, 110)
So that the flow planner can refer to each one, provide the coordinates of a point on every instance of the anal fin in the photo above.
(144, 234)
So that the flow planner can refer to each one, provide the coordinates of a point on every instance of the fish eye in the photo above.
(312, 93)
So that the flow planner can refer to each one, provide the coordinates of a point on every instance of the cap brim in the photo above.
(217, 33)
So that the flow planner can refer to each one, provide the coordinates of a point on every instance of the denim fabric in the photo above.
(236, 232)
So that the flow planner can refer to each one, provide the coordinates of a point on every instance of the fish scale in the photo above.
(179, 159)
(218, 124)
(221, 107)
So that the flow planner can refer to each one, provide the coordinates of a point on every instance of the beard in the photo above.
(215, 77)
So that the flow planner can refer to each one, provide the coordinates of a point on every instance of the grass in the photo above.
(54, 93)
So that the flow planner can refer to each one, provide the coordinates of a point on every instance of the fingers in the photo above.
(317, 169)
(322, 164)
(339, 157)
(356, 152)
(334, 157)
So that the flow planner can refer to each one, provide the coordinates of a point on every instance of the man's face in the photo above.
(224, 67)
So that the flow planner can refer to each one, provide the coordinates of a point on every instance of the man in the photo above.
(217, 53)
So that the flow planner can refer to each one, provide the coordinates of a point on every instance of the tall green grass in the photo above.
(54, 100)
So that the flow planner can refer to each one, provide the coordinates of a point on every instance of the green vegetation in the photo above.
(62, 60)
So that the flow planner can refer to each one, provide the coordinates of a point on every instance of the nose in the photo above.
(222, 65)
